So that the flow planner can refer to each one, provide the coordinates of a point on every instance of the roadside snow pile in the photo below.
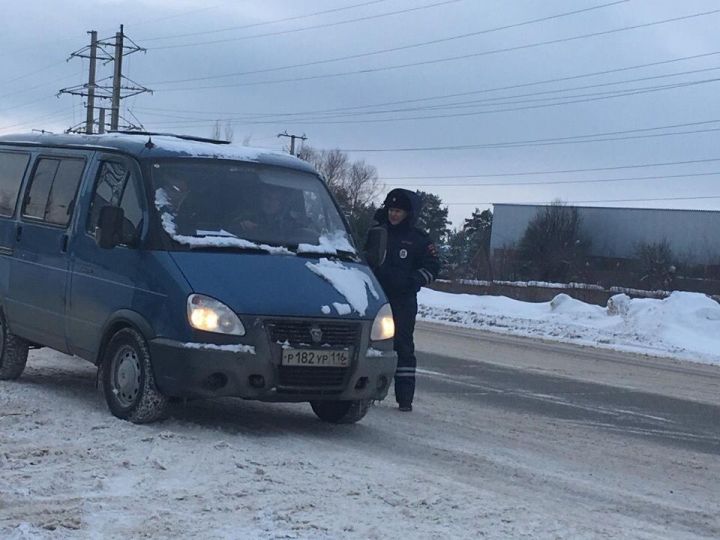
(684, 325)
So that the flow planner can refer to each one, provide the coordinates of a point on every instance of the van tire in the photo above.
(127, 381)
(341, 412)
(13, 353)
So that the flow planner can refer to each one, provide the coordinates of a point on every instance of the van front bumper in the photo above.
(207, 371)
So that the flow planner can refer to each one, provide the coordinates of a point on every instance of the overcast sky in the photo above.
(439, 95)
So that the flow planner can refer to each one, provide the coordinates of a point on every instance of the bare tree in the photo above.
(216, 131)
(219, 130)
(355, 184)
(553, 243)
(229, 131)
(361, 185)
(331, 164)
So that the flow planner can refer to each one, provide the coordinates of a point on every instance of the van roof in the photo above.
(144, 145)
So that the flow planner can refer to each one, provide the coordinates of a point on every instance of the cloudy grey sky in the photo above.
(596, 102)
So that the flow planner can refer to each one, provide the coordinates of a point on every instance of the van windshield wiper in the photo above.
(344, 255)
(238, 249)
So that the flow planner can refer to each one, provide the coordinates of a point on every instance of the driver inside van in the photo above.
(272, 219)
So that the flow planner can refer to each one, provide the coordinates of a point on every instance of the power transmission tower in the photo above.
(114, 88)
(292, 140)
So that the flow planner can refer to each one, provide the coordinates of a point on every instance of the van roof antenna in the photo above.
(149, 143)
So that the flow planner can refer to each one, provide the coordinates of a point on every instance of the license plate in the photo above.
(315, 358)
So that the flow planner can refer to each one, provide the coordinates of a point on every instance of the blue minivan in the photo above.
(187, 268)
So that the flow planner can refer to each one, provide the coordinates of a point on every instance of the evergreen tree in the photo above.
(433, 218)
(478, 228)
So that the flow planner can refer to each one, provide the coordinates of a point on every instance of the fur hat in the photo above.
(397, 199)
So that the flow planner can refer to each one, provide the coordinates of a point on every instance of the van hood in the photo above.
(283, 285)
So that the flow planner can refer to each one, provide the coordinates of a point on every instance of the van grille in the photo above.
(310, 378)
(298, 332)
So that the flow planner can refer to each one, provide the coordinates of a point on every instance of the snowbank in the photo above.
(684, 325)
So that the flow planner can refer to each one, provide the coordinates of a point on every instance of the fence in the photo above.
(536, 291)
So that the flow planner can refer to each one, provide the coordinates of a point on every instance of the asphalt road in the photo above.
(610, 391)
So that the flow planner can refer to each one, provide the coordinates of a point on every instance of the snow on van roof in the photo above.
(162, 145)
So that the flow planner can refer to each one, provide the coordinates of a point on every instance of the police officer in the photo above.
(411, 262)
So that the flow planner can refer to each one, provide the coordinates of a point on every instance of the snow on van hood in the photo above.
(282, 285)
(351, 282)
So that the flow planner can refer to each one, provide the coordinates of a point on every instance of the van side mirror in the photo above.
(109, 229)
(376, 246)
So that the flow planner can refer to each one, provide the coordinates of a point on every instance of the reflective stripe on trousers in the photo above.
(404, 313)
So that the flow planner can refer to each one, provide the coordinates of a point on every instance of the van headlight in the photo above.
(210, 315)
(383, 326)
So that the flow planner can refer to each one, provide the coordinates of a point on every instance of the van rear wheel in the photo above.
(341, 412)
(13, 353)
(127, 379)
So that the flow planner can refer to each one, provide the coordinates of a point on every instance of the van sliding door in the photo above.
(39, 266)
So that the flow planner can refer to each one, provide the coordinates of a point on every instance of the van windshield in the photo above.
(236, 204)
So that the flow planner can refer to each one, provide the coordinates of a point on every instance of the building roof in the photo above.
(144, 145)
(612, 208)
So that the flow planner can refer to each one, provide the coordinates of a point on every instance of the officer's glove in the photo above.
(421, 278)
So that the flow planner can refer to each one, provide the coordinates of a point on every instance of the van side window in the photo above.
(12, 170)
(52, 190)
(115, 187)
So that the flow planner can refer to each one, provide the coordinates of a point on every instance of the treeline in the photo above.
(356, 186)
(554, 247)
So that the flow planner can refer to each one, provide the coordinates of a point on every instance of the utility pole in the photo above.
(120, 87)
(292, 140)
(101, 121)
(90, 118)
(117, 79)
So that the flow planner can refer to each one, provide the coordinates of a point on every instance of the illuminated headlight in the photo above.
(205, 313)
(383, 326)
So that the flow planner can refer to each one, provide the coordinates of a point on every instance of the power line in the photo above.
(265, 23)
(556, 182)
(30, 88)
(504, 100)
(447, 96)
(555, 101)
(656, 199)
(451, 58)
(549, 102)
(555, 140)
(43, 118)
(562, 171)
(315, 27)
(401, 48)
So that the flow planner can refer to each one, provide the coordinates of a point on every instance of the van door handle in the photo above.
(18, 233)
(64, 243)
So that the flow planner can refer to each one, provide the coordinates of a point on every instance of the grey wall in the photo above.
(694, 235)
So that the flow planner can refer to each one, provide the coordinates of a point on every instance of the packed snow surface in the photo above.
(684, 325)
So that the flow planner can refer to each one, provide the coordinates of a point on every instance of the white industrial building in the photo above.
(693, 235)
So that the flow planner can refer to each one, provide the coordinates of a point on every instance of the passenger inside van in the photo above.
(272, 217)
(259, 204)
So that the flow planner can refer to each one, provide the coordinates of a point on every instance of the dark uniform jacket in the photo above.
(411, 260)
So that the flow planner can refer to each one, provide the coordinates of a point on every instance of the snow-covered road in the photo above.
(490, 451)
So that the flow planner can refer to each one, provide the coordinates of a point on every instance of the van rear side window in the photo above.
(12, 170)
(52, 190)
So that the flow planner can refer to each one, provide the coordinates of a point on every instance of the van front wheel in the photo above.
(341, 412)
(13, 353)
(127, 379)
